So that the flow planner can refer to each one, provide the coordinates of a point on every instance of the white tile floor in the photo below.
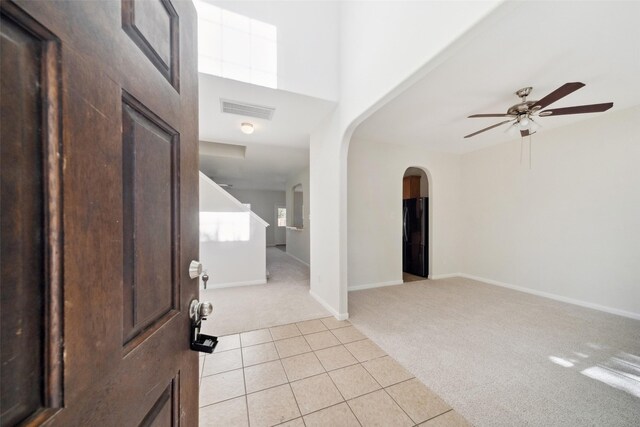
(320, 372)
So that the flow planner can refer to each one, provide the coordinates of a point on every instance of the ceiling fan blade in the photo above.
(485, 129)
(578, 109)
(557, 94)
(490, 115)
(524, 132)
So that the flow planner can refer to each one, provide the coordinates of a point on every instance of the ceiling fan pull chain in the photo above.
(521, 144)
(529, 151)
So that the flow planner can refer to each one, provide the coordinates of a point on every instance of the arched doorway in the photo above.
(415, 225)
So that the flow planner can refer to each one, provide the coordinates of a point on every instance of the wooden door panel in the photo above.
(165, 411)
(83, 27)
(150, 187)
(30, 216)
(125, 148)
(22, 238)
(92, 230)
(153, 27)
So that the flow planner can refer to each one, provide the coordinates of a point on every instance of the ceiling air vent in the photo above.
(243, 109)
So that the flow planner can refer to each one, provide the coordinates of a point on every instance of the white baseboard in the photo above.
(235, 284)
(297, 259)
(323, 303)
(375, 285)
(556, 297)
(445, 276)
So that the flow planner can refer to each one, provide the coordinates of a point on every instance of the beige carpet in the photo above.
(506, 358)
(284, 299)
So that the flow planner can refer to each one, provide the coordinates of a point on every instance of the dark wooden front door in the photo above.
(99, 216)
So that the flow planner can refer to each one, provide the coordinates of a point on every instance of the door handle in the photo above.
(404, 225)
(198, 311)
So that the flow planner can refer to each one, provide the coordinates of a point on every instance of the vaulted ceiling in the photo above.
(540, 44)
(535, 43)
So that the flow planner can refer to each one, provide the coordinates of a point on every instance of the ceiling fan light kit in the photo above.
(521, 115)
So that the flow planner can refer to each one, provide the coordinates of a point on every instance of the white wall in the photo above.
(263, 203)
(231, 263)
(384, 47)
(308, 37)
(298, 240)
(570, 226)
(375, 211)
(383, 43)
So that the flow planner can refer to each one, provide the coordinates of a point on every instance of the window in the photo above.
(236, 47)
(225, 226)
(298, 206)
(282, 217)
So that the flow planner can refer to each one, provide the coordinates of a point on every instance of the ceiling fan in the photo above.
(521, 115)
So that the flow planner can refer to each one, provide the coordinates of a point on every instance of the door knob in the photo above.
(195, 269)
(205, 308)
(198, 311)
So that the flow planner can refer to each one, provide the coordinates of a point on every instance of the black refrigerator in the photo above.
(415, 235)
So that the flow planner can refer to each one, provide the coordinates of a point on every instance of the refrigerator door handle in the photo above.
(404, 224)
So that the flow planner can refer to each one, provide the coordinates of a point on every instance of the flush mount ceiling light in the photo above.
(246, 128)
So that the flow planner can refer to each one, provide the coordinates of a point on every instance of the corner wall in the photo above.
(375, 211)
(263, 203)
(298, 240)
(570, 226)
(230, 261)
(374, 66)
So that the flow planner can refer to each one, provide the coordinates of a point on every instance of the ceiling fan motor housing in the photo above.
(522, 108)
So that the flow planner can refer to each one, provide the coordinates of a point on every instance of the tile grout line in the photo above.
(292, 393)
(331, 406)
(244, 379)
(201, 373)
(358, 397)
(381, 387)
(275, 326)
(222, 401)
(344, 400)
(289, 383)
(202, 376)
(327, 372)
(305, 340)
(390, 385)
(341, 367)
(387, 393)
(245, 394)
(373, 358)
(292, 323)
(439, 415)
(225, 371)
